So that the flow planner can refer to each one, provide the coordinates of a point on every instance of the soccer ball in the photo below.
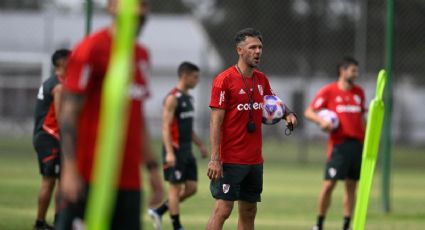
(330, 116)
(273, 110)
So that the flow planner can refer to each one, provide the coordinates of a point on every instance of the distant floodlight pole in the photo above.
(388, 99)
(89, 16)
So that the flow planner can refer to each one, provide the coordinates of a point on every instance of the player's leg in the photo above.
(47, 153)
(221, 212)
(325, 196)
(191, 179)
(44, 197)
(226, 190)
(175, 189)
(126, 213)
(190, 188)
(349, 201)
(335, 170)
(353, 155)
(250, 194)
(247, 213)
(57, 202)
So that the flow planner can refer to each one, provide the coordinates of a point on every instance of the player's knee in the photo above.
(190, 191)
(223, 212)
(248, 212)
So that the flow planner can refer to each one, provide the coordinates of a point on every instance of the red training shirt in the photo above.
(230, 93)
(349, 105)
(85, 74)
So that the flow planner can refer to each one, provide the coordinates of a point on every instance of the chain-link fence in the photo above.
(303, 40)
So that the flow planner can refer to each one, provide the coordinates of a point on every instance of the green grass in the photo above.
(289, 197)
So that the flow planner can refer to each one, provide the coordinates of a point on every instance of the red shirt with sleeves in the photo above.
(86, 71)
(349, 105)
(230, 93)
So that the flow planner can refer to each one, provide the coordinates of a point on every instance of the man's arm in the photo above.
(57, 97)
(312, 116)
(170, 106)
(152, 166)
(214, 166)
(201, 146)
(72, 105)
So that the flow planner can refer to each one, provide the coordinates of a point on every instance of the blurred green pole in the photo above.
(388, 99)
(89, 16)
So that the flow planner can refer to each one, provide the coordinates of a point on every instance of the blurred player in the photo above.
(46, 136)
(79, 125)
(236, 165)
(180, 168)
(345, 144)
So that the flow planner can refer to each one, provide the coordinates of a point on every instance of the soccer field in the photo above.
(289, 196)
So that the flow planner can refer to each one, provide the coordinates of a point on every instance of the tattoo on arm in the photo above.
(71, 109)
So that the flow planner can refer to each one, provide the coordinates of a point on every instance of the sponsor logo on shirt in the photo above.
(247, 106)
(188, 114)
(348, 109)
(221, 100)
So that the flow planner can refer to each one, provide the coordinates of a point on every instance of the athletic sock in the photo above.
(162, 209)
(56, 219)
(319, 223)
(175, 220)
(347, 220)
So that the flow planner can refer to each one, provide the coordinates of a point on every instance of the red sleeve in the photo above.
(219, 93)
(320, 101)
(78, 69)
(363, 98)
(267, 89)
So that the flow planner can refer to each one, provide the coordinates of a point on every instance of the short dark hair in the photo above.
(247, 32)
(345, 62)
(186, 67)
(59, 54)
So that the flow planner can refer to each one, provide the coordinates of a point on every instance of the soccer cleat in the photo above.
(315, 227)
(156, 219)
(43, 226)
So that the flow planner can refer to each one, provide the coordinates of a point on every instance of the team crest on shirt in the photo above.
(260, 89)
(226, 188)
(242, 91)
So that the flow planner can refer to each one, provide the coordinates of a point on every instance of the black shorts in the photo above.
(239, 182)
(48, 154)
(126, 214)
(184, 170)
(345, 161)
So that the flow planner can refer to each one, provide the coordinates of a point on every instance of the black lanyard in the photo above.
(248, 91)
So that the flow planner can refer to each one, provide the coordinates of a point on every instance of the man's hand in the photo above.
(326, 126)
(291, 120)
(70, 184)
(215, 170)
(170, 159)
